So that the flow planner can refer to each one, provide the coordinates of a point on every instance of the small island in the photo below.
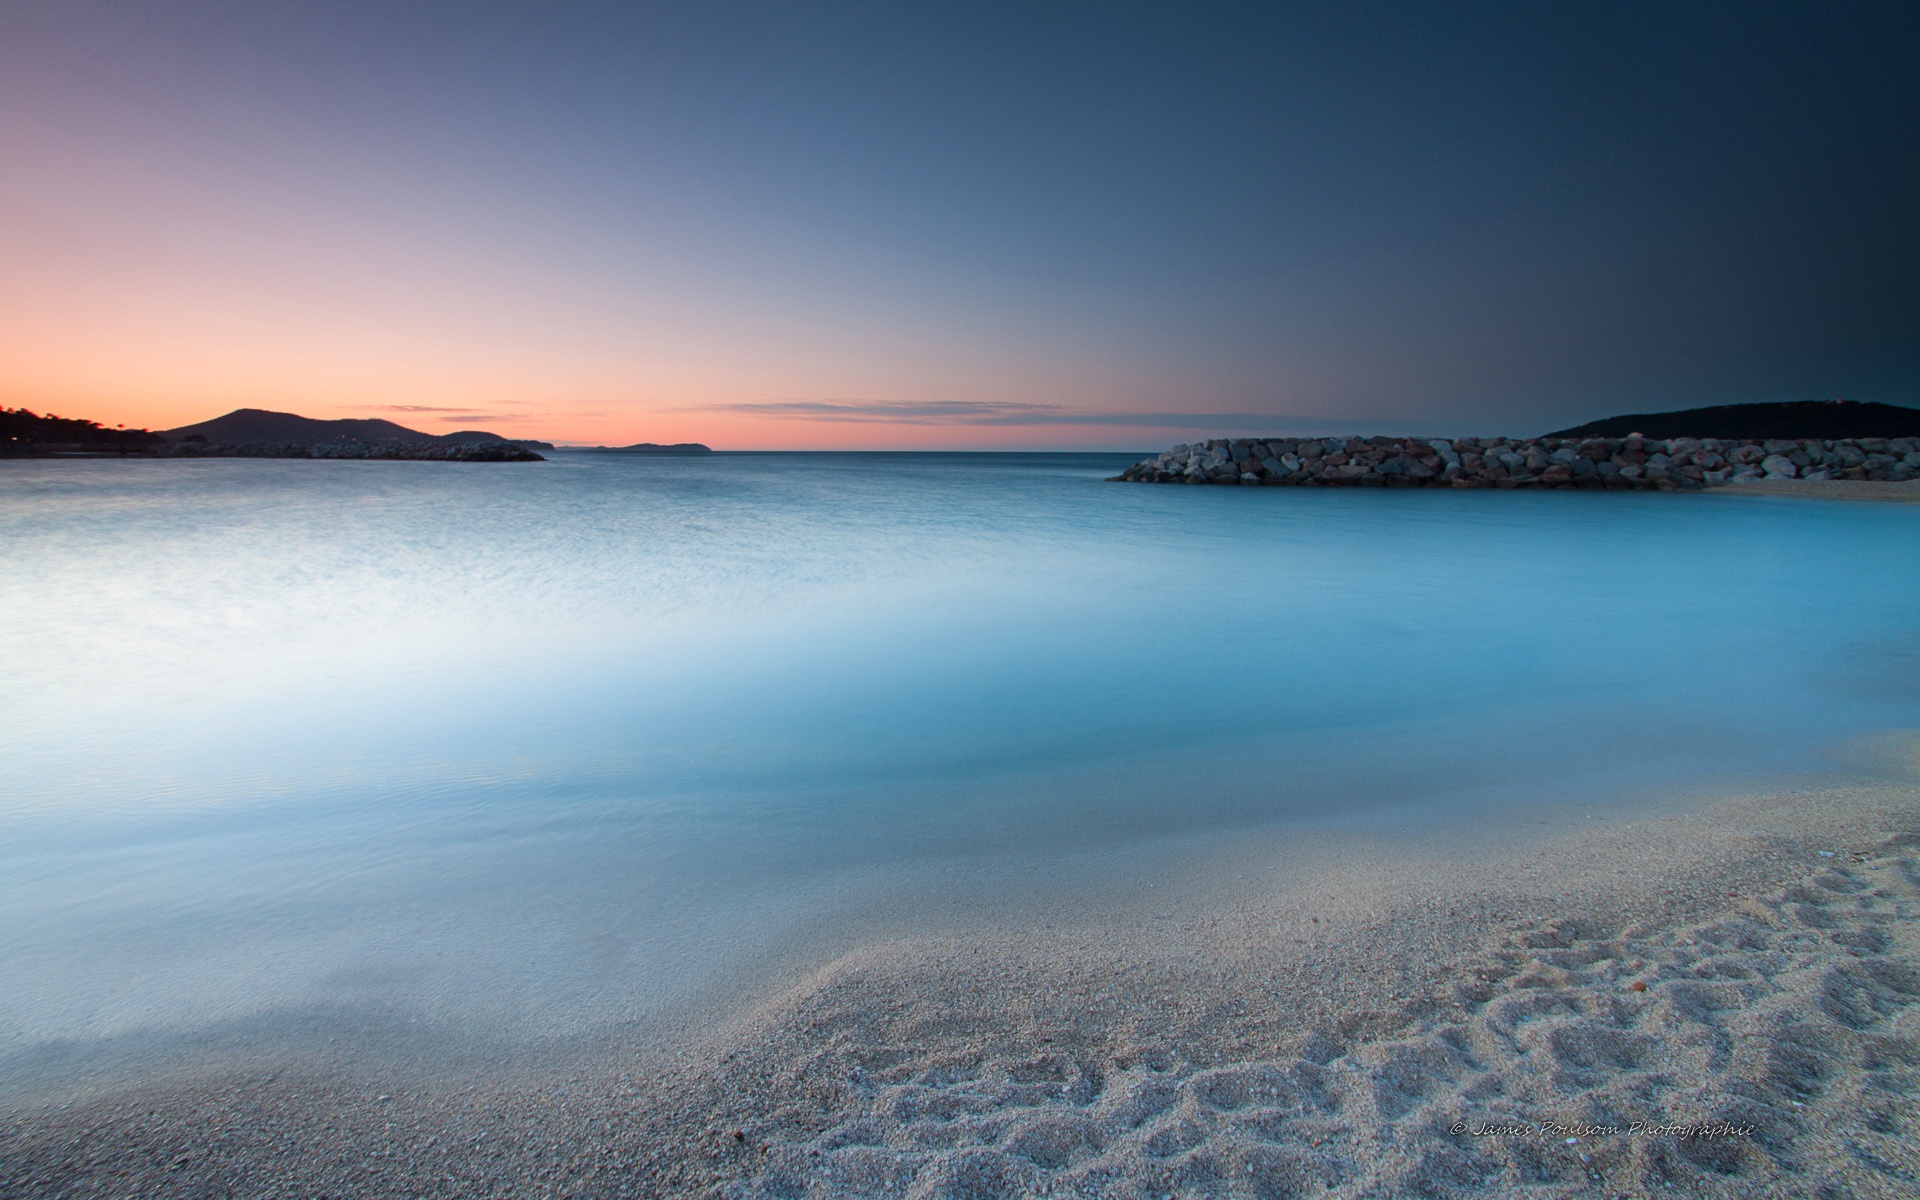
(648, 448)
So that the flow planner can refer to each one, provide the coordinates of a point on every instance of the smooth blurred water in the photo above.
(539, 747)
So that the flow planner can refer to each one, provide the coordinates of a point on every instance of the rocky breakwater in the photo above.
(1675, 464)
(494, 451)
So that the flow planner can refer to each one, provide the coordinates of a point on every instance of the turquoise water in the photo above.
(536, 748)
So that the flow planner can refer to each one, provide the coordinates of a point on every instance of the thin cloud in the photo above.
(443, 414)
(993, 412)
(433, 408)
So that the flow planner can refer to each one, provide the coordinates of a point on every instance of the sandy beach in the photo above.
(570, 625)
(1713, 1000)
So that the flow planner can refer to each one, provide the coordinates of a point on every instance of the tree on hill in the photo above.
(21, 430)
(1825, 419)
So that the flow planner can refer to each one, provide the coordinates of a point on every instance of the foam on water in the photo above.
(538, 748)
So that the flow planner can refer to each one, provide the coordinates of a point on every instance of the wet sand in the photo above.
(1391, 1023)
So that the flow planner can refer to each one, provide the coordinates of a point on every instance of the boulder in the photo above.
(1677, 464)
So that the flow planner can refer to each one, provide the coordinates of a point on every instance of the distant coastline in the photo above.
(256, 433)
(262, 427)
(494, 451)
(261, 433)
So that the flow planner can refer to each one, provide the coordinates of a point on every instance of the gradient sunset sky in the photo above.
(1034, 225)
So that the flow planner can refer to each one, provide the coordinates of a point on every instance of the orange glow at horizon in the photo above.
(180, 319)
(167, 393)
(141, 293)
(152, 404)
(119, 350)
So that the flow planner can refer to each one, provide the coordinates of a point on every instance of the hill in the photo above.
(251, 426)
(1824, 419)
(467, 437)
(256, 433)
(258, 426)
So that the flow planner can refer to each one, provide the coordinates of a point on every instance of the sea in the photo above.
(499, 755)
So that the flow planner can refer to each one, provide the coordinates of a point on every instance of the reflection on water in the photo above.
(550, 745)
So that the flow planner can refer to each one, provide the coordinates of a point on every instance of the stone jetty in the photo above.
(1675, 464)
(494, 451)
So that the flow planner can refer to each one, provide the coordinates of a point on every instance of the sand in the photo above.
(1398, 1021)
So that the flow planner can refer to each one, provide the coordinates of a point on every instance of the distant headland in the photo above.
(258, 433)
(1797, 419)
(260, 427)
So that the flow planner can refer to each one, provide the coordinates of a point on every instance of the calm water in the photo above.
(535, 748)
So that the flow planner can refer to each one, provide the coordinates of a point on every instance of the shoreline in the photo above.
(1322, 1033)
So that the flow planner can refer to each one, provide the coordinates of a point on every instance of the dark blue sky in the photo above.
(1036, 224)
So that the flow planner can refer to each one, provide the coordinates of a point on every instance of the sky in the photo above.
(955, 226)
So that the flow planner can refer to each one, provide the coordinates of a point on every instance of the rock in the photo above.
(1680, 464)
